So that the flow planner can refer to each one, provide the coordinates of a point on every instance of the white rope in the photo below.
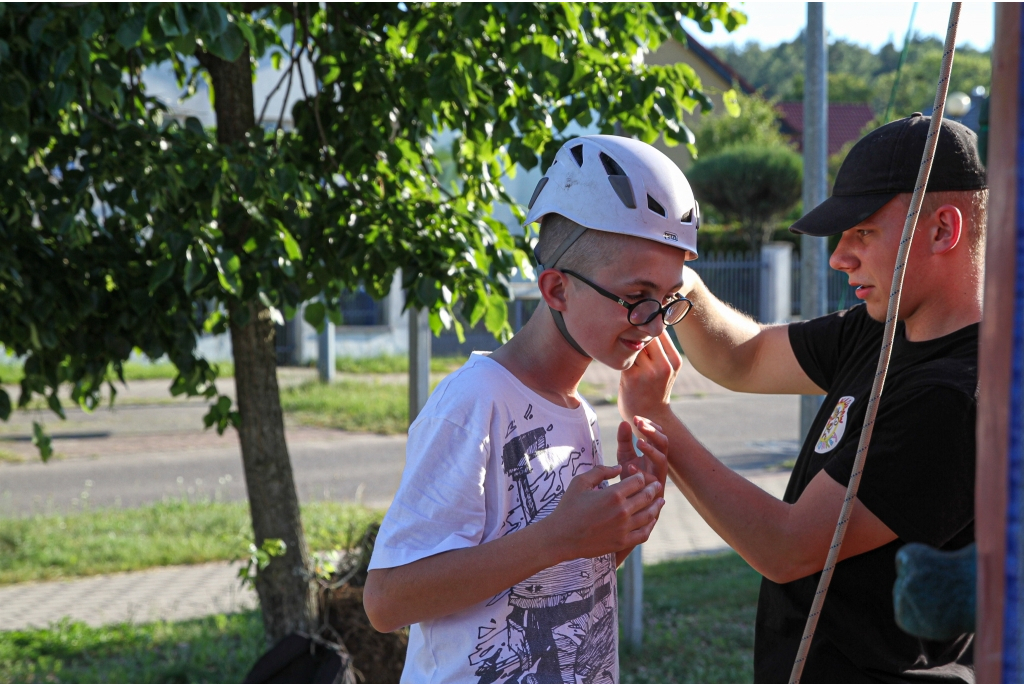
(883, 358)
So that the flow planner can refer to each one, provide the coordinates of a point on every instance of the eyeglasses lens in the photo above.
(676, 311)
(644, 312)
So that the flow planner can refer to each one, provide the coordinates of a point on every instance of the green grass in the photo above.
(172, 532)
(699, 628)
(350, 405)
(217, 649)
(12, 372)
(390, 363)
(698, 623)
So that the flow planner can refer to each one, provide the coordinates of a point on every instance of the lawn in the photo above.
(172, 532)
(393, 363)
(371, 406)
(699, 628)
(698, 623)
(11, 372)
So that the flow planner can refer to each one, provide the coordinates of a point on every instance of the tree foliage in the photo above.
(750, 185)
(756, 125)
(858, 74)
(127, 228)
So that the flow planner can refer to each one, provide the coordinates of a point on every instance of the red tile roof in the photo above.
(845, 122)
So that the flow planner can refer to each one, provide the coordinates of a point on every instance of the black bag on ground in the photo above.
(298, 658)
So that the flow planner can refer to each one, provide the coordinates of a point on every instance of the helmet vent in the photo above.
(653, 205)
(536, 192)
(620, 184)
(577, 154)
(688, 217)
(611, 166)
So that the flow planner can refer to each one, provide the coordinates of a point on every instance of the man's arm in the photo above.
(735, 351)
(588, 522)
(781, 541)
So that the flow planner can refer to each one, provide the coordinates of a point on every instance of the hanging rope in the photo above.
(883, 358)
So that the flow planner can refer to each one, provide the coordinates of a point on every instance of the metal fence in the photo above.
(735, 278)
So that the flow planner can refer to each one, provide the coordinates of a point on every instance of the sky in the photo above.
(867, 23)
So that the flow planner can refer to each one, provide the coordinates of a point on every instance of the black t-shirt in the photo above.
(918, 480)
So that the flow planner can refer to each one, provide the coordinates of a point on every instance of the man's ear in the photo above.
(948, 227)
(552, 284)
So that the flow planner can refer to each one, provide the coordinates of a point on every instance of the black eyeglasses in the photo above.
(644, 311)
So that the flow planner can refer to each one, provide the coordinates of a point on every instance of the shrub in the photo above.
(750, 185)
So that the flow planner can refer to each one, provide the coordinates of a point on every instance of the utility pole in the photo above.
(814, 250)
(419, 361)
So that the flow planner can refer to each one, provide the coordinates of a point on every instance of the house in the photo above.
(846, 122)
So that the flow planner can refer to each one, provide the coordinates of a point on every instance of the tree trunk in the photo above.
(287, 595)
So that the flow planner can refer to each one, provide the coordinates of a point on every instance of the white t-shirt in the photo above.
(486, 457)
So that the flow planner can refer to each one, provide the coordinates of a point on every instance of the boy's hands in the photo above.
(591, 521)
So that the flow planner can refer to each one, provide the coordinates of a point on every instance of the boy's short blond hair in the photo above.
(590, 251)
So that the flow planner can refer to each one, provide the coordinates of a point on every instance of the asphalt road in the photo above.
(134, 455)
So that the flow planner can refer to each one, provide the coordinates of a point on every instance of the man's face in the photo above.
(867, 255)
(645, 270)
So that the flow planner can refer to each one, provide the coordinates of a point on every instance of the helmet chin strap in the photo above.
(560, 324)
(555, 314)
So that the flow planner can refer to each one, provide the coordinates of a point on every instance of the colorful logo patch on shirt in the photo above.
(835, 427)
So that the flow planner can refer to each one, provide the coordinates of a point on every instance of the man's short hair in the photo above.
(973, 205)
(590, 251)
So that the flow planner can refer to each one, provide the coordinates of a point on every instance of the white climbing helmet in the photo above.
(619, 185)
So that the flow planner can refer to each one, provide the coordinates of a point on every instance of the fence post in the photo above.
(776, 280)
(326, 353)
(631, 615)
(419, 361)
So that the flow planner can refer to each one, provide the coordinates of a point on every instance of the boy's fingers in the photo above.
(643, 497)
(641, 534)
(592, 478)
(628, 487)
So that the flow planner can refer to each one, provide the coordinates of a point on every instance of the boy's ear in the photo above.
(552, 284)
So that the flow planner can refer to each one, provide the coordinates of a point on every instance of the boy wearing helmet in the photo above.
(501, 544)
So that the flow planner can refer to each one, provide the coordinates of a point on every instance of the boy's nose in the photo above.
(653, 328)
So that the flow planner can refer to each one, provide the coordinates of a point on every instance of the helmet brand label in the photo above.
(671, 236)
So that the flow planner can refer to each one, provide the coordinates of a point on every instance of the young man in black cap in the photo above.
(918, 484)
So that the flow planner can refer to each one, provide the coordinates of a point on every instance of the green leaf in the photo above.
(193, 125)
(42, 441)
(161, 273)
(64, 60)
(247, 33)
(497, 314)
(130, 32)
(195, 270)
(228, 266)
(290, 245)
(731, 102)
(314, 314)
(229, 45)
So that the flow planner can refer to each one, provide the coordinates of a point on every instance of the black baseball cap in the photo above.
(885, 163)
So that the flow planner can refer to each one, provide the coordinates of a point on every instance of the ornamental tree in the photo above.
(123, 227)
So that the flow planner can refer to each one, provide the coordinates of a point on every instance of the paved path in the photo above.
(137, 454)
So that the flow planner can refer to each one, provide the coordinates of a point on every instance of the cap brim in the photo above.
(839, 213)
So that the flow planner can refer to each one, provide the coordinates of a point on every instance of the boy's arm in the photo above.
(588, 522)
